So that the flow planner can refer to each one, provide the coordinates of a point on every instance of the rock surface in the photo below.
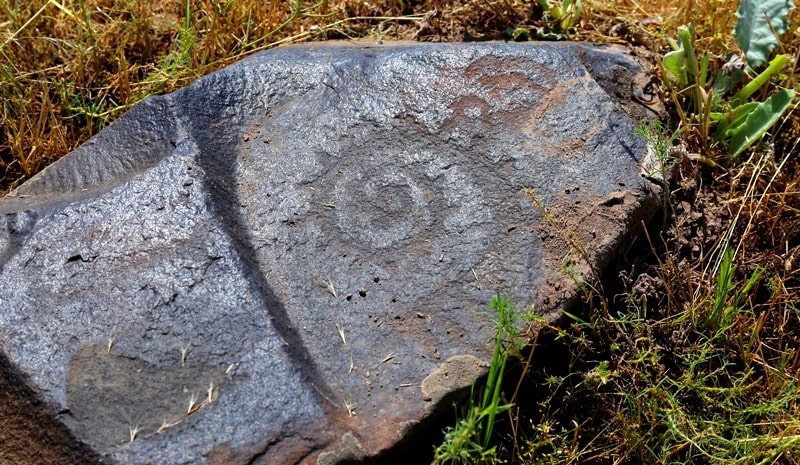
(289, 260)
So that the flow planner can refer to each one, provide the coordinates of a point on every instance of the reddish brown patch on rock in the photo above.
(569, 228)
(292, 450)
(29, 434)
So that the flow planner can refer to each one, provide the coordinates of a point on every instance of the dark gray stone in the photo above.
(289, 260)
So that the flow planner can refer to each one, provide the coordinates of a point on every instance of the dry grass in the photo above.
(68, 68)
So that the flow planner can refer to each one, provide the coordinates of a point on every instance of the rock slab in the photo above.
(289, 260)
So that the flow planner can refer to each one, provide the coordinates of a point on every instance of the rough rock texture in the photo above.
(289, 261)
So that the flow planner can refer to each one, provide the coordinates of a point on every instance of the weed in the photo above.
(701, 86)
(180, 59)
(469, 440)
(685, 390)
(561, 16)
(558, 20)
(663, 144)
(725, 307)
(69, 68)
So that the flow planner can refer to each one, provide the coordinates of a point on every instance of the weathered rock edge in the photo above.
(108, 256)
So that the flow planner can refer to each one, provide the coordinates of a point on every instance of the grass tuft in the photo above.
(469, 441)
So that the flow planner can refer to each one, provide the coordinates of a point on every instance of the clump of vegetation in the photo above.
(559, 20)
(701, 87)
(678, 389)
(469, 441)
(686, 352)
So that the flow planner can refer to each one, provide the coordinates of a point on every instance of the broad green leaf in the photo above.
(724, 83)
(521, 33)
(675, 64)
(758, 122)
(570, 13)
(732, 122)
(682, 62)
(753, 33)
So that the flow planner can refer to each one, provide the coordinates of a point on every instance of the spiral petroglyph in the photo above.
(289, 260)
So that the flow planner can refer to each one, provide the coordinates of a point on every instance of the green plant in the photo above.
(716, 403)
(468, 442)
(563, 15)
(725, 306)
(703, 394)
(560, 19)
(662, 142)
(704, 86)
(760, 24)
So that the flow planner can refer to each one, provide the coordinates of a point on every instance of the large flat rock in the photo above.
(289, 260)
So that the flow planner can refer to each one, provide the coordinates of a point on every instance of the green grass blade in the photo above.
(724, 287)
